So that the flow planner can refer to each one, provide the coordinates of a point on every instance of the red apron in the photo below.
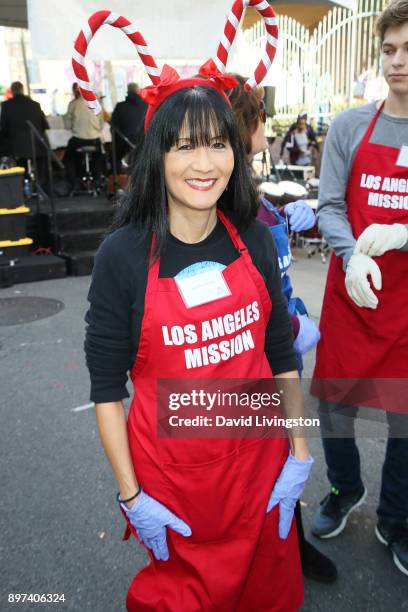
(360, 343)
(234, 560)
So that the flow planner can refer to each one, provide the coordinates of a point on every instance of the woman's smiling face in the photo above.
(197, 174)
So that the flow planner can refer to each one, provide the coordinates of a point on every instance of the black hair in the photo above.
(17, 88)
(199, 109)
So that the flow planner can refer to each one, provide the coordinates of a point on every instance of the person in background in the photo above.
(15, 138)
(76, 93)
(298, 141)
(86, 128)
(250, 116)
(309, 129)
(364, 321)
(128, 117)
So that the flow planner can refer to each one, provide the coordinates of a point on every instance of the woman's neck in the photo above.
(396, 105)
(192, 226)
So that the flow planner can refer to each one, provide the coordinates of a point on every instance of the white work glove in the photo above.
(359, 267)
(378, 239)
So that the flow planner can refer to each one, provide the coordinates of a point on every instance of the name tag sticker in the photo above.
(202, 288)
(403, 157)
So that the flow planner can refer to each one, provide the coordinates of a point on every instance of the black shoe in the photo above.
(331, 518)
(395, 535)
(316, 565)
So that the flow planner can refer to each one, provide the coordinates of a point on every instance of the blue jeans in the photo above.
(343, 458)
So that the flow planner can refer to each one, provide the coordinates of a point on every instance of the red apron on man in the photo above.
(234, 560)
(361, 343)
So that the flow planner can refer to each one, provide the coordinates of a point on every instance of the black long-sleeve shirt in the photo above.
(118, 288)
(14, 132)
(128, 116)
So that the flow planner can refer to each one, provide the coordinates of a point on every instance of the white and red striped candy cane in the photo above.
(230, 30)
(97, 20)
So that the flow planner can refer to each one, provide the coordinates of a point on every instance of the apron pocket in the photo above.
(210, 497)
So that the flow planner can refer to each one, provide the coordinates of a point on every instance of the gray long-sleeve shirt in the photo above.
(344, 137)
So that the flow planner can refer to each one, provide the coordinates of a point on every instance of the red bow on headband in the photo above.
(168, 77)
(222, 81)
(170, 82)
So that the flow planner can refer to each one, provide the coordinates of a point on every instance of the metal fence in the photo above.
(323, 71)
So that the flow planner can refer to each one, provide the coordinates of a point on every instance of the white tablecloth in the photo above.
(56, 122)
(59, 137)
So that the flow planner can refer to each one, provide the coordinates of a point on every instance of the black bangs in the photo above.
(199, 114)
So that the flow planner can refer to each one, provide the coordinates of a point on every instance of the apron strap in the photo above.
(247, 259)
(371, 127)
(232, 232)
(154, 266)
(269, 206)
(296, 306)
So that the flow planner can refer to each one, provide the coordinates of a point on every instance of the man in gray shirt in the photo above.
(363, 214)
(345, 136)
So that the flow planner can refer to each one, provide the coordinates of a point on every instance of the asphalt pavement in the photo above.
(60, 526)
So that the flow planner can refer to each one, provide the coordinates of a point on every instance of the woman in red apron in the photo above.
(207, 510)
(215, 515)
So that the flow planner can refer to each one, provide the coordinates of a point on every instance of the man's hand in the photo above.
(358, 269)
(377, 239)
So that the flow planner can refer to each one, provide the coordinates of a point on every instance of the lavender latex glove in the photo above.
(308, 335)
(150, 519)
(287, 490)
(301, 216)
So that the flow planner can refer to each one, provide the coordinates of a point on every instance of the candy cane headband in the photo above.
(169, 81)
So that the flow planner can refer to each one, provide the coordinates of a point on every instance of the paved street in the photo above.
(60, 527)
